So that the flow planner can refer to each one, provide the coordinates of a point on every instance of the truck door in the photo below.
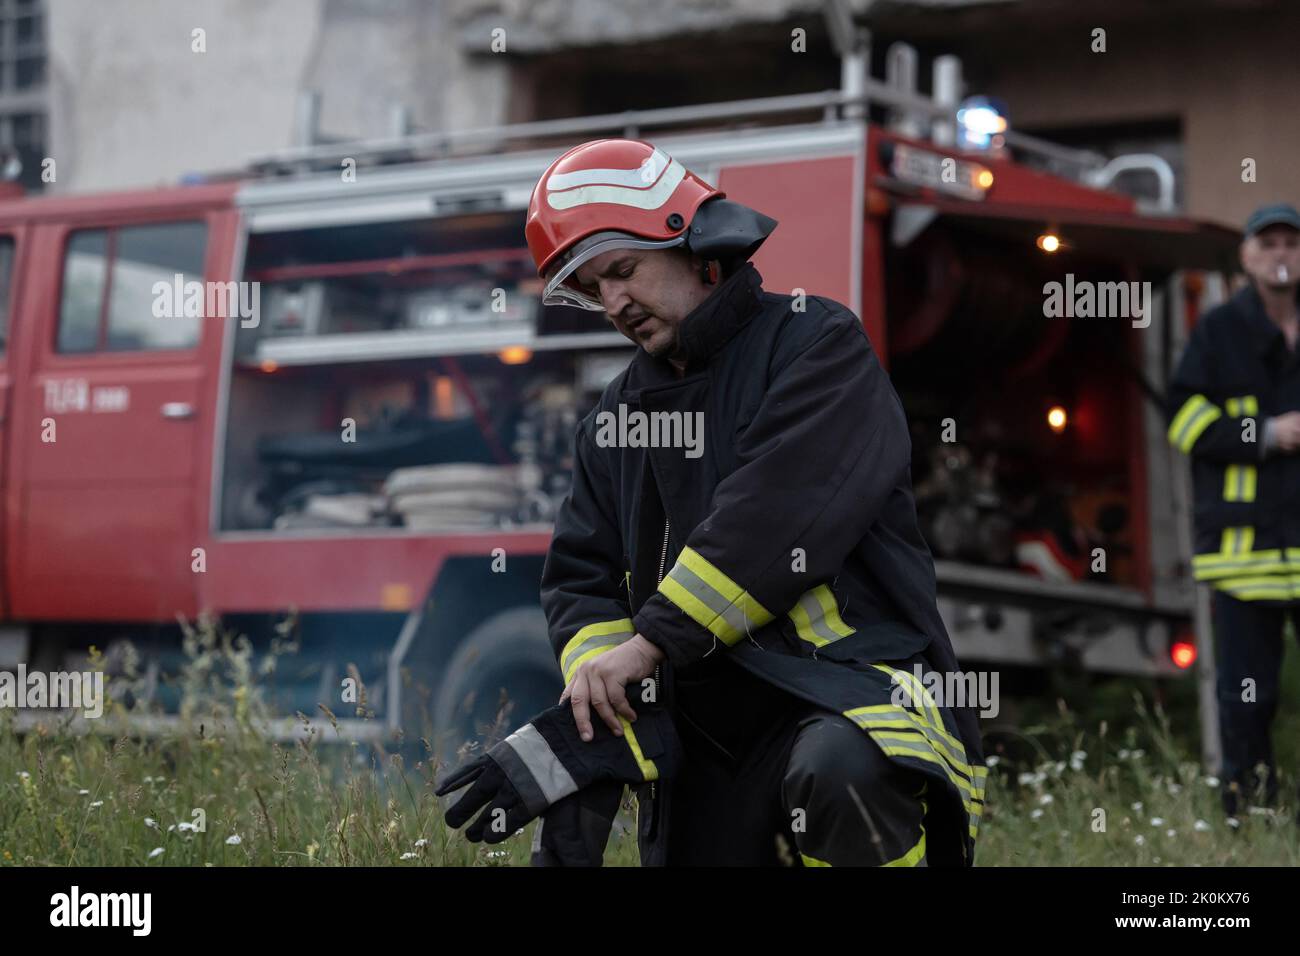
(10, 241)
(110, 423)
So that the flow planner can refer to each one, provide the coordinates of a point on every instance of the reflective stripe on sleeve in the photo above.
(711, 599)
(539, 759)
(1196, 415)
(592, 640)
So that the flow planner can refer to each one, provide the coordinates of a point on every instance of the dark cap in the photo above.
(1278, 214)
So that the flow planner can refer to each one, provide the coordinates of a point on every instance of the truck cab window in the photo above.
(6, 278)
(109, 300)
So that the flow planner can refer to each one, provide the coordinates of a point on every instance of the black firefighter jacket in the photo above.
(789, 541)
(1235, 373)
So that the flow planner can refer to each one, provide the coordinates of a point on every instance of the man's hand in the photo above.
(599, 683)
(1286, 429)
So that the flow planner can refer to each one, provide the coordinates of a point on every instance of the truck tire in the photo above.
(505, 660)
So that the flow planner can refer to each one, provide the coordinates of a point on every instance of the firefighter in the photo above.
(766, 585)
(1234, 407)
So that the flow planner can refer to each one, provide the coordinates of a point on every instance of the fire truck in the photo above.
(325, 387)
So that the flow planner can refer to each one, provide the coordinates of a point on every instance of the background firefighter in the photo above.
(1234, 407)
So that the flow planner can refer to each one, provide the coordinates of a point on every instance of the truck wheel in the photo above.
(503, 674)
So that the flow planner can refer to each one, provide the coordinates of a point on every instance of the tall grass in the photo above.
(112, 798)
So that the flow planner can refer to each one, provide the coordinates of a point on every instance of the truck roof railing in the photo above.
(933, 116)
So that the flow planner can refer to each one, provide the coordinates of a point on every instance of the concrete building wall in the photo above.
(131, 104)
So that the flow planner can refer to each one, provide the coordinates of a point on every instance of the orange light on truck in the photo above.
(1049, 242)
(268, 365)
(515, 355)
(984, 179)
(1183, 654)
(1057, 419)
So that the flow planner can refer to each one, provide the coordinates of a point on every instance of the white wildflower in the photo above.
(233, 840)
(408, 856)
(1200, 826)
(156, 852)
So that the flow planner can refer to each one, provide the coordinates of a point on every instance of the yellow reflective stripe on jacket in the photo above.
(920, 698)
(912, 743)
(1196, 415)
(1207, 567)
(1238, 542)
(1267, 587)
(904, 734)
(817, 619)
(913, 856)
(1245, 405)
(1239, 483)
(592, 640)
(894, 729)
(711, 599)
(981, 775)
(648, 768)
(812, 860)
(892, 719)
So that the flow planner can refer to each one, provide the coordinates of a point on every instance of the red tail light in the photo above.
(1183, 653)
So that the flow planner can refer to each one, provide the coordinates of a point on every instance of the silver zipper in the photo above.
(663, 560)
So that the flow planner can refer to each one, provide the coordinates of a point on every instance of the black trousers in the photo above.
(1248, 646)
(769, 780)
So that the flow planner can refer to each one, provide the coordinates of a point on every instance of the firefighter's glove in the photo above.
(545, 761)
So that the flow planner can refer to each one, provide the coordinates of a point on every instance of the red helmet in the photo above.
(607, 194)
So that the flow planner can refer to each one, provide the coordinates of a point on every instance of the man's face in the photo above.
(647, 293)
(1271, 257)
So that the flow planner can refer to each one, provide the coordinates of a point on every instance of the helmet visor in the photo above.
(562, 285)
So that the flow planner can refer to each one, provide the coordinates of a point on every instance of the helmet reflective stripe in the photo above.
(638, 178)
(642, 198)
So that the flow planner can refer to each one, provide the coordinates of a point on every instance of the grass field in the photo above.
(106, 799)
